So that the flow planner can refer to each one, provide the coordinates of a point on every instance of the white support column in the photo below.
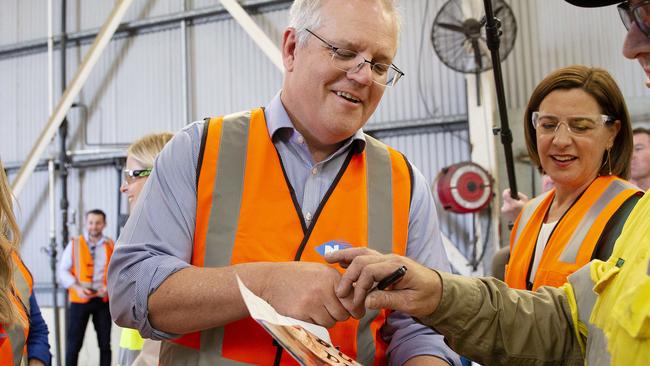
(481, 121)
(71, 92)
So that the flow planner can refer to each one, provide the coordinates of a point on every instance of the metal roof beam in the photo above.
(71, 92)
(263, 41)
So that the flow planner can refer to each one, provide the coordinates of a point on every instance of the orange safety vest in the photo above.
(83, 266)
(246, 212)
(574, 238)
(13, 341)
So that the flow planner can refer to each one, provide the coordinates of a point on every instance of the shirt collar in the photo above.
(87, 237)
(280, 125)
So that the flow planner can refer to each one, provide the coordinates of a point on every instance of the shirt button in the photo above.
(308, 216)
(314, 171)
(300, 139)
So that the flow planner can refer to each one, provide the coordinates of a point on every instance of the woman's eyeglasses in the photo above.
(131, 175)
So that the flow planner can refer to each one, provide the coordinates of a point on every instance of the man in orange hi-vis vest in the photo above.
(83, 272)
(267, 193)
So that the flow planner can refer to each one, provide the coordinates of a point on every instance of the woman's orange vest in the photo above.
(13, 340)
(83, 267)
(574, 238)
(246, 213)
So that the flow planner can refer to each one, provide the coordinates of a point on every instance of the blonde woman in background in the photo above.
(140, 156)
(23, 333)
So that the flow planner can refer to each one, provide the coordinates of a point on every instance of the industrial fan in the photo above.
(459, 38)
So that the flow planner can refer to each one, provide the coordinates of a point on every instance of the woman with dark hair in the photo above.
(578, 132)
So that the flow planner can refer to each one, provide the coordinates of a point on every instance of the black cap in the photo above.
(593, 3)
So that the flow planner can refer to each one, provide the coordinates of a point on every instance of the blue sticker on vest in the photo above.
(331, 247)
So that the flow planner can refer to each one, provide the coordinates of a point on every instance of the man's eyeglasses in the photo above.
(639, 14)
(352, 61)
(131, 176)
(548, 124)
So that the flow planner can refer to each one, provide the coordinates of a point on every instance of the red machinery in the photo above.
(464, 187)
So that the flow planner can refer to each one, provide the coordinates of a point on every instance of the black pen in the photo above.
(391, 279)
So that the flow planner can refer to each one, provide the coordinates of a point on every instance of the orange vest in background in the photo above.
(13, 340)
(572, 242)
(83, 266)
(266, 225)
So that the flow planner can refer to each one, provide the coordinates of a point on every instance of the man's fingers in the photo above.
(349, 279)
(384, 300)
(345, 256)
(336, 309)
(320, 319)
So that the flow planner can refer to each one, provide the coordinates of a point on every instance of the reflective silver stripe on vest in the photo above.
(175, 354)
(228, 188)
(380, 230)
(596, 352)
(22, 286)
(380, 196)
(17, 334)
(571, 249)
(526, 213)
(126, 356)
(17, 338)
(224, 218)
(220, 238)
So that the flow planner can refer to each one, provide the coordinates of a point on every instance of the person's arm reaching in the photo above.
(411, 343)
(277, 283)
(481, 318)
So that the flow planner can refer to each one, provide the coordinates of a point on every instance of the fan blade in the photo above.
(452, 27)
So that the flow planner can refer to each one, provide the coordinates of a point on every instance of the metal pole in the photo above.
(119, 167)
(55, 119)
(492, 34)
(184, 72)
(53, 253)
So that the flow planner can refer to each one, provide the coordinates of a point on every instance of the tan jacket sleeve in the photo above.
(486, 321)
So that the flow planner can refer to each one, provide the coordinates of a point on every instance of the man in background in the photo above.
(640, 167)
(83, 272)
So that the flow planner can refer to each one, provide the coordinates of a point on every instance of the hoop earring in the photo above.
(609, 161)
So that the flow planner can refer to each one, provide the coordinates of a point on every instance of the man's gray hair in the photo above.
(306, 14)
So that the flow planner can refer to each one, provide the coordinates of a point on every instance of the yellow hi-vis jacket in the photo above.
(610, 301)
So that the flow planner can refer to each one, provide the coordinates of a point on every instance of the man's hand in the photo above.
(101, 292)
(417, 293)
(35, 362)
(305, 291)
(83, 292)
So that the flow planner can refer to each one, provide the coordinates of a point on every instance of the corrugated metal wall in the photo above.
(429, 149)
(553, 34)
(136, 85)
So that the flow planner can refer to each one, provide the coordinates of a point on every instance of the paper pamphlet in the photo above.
(308, 343)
